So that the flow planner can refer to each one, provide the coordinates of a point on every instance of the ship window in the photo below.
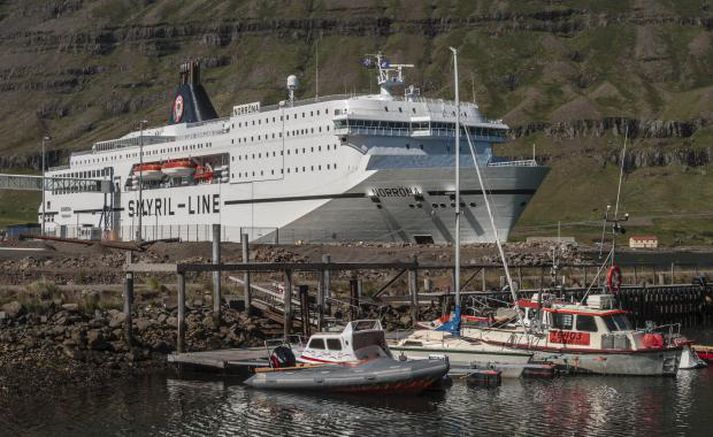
(311, 167)
(327, 128)
(294, 116)
(267, 120)
(316, 343)
(318, 112)
(319, 148)
(311, 130)
(253, 122)
(408, 146)
(326, 111)
(258, 137)
(562, 321)
(319, 167)
(273, 119)
(335, 165)
(259, 155)
(282, 171)
(239, 124)
(297, 169)
(297, 151)
(586, 323)
(327, 146)
(252, 138)
(273, 153)
(272, 172)
(261, 173)
(320, 128)
(288, 170)
(253, 157)
(386, 108)
(304, 169)
(303, 115)
(400, 110)
(311, 113)
(279, 134)
(280, 118)
(304, 150)
(420, 146)
(253, 173)
(334, 344)
(288, 151)
(311, 149)
(327, 166)
(273, 135)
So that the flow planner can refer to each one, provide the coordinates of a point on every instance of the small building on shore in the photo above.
(643, 242)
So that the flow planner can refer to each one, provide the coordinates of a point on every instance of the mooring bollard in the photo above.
(216, 275)
(128, 302)
(246, 276)
(287, 299)
(181, 337)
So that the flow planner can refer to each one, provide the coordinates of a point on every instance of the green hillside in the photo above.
(559, 72)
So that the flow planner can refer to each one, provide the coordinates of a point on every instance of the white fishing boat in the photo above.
(464, 354)
(591, 337)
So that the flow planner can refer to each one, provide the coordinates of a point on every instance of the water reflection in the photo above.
(569, 405)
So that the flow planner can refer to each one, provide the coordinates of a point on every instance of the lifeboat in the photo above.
(148, 171)
(203, 174)
(178, 169)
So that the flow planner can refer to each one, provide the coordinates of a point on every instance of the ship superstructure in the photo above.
(330, 169)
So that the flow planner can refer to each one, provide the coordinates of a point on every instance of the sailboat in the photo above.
(589, 336)
(463, 353)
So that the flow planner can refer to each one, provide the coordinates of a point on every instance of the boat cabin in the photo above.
(594, 325)
(360, 340)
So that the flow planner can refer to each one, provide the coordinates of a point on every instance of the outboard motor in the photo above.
(282, 356)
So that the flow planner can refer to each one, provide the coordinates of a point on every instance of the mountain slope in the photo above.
(571, 77)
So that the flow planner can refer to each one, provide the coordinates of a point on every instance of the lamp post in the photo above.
(45, 139)
(142, 123)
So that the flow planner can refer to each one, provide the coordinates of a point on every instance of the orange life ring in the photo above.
(614, 278)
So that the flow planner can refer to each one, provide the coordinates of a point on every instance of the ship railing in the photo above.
(521, 163)
(416, 133)
(305, 102)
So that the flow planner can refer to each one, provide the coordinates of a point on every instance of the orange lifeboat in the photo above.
(148, 171)
(203, 174)
(180, 168)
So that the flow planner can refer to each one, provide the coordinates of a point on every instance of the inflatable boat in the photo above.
(379, 375)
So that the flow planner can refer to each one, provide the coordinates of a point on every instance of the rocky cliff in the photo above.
(570, 76)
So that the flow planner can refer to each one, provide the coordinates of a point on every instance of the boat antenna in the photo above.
(316, 71)
(616, 226)
(501, 251)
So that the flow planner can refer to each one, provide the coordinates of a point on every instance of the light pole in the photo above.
(141, 178)
(45, 139)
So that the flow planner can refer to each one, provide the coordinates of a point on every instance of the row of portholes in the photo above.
(282, 171)
(442, 205)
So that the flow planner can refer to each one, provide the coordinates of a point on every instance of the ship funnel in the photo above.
(191, 103)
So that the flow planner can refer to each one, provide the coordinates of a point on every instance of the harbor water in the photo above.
(170, 406)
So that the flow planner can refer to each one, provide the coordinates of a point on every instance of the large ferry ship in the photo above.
(372, 168)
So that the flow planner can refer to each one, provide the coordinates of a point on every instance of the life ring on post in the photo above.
(614, 278)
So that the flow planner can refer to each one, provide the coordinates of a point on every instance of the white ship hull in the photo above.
(367, 168)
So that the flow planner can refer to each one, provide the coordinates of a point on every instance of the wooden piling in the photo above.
(287, 303)
(413, 290)
(181, 337)
(247, 291)
(353, 299)
(320, 300)
(128, 302)
(304, 311)
(216, 275)
(327, 292)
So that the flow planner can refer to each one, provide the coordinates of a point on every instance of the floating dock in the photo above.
(238, 360)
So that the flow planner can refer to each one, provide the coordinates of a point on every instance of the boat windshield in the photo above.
(617, 322)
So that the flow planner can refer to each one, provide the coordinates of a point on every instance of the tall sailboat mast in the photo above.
(456, 273)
